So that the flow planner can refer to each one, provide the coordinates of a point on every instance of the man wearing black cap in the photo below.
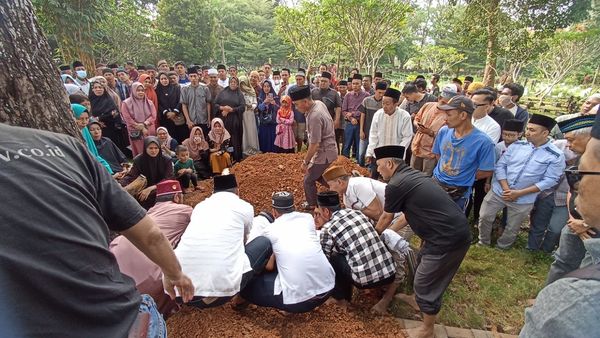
(223, 79)
(569, 307)
(141, 69)
(464, 152)
(304, 278)
(368, 108)
(329, 97)
(391, 125)
(525, 169)
(436, 219)
(351, 115)
(212, 251)
(321, 141)
(358, 255)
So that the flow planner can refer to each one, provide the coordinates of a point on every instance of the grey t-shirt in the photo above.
(197, 99)
(329, 97)
(56, 271)
(368, 107)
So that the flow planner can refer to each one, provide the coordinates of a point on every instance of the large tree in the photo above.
(31, 93)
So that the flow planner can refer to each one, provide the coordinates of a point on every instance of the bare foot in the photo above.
(419, 332)
(342, 303)
(410, 300)
(530, 302)
(380, 307)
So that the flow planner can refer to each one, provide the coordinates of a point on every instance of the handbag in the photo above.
(179, 119)
(135, 134)
(266, 117)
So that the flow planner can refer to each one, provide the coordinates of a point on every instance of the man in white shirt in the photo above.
(391, 126)
(223, 79)
(483, 101)
(304, 278)
(211, 250)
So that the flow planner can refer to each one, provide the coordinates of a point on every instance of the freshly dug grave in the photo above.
(258, 177)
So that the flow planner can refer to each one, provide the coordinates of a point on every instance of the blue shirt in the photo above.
(524, 165)
(461, 158)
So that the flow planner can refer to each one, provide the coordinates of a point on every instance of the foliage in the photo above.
(438, 59)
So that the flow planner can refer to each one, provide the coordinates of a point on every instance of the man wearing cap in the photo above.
(436, 219)
(212, 251)
(525, 169)
(123, 86)
(81, 77)
(351, 115)
(329, 96)
(391, 126)
(213, 83)
(464, 153)
(276, 80)
(141, 69)
(299, 118)
(172, 217)
(368, 108)
(586, 109)
(304, 278)
(321, 141)
(358, 255)
(222, 74)
(569, 307)
(571, 250)
(196, 102)
(428, 121)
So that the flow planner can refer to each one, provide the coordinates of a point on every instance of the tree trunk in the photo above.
(31, 93)
(489, 72)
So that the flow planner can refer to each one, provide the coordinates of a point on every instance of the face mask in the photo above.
(82, 74)
(277, 82)
(505, 100)
(197, 139)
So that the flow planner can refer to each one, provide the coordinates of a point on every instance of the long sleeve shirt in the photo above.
(352, 101)
(395, 129)
(523, 165)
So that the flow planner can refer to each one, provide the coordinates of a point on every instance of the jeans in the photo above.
(157, 327)
(351, 140)
(260, 292)
(362, 151)
(259, 251)
(547, 221)
(569, 256)
(344, 281)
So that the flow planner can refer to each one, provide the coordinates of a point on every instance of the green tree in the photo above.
(438, 59)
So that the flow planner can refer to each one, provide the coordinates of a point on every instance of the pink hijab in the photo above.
(193, 147)
(140, 109)
(218, 138)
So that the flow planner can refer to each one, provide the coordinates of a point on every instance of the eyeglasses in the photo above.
(480, 105)
(573, 176)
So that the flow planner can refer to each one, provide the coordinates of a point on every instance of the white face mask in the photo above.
(197, 139)
(505, 100)
(82, 74)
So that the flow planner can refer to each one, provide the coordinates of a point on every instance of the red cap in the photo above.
(168, 187)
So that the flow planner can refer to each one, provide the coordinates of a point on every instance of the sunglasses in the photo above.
(574, 175)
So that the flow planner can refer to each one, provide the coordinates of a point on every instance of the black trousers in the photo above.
(186, 178)
(344, 281)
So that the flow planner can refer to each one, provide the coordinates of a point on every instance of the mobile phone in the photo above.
(270, 95)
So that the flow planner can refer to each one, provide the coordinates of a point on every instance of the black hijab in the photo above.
(156, 168)
(102, 106)
(168, 96)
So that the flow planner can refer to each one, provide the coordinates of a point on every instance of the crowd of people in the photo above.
(434, 155)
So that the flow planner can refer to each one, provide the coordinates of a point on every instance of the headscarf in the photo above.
(284, 112)
(73, 89)
(169, 138)
(168, 95)
(89, 141)
(262, 96)
(102, 105)
(141, 109)
(64, 78)
(151, 167)
(246, 87)
(193, 147)
(218, 138)
(150, 92)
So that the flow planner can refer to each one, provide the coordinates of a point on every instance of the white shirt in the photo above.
(223, 83)
(303, 269)
(395, 129)
(362, 191)
(211, 250)
(513, 110)
(489, 126)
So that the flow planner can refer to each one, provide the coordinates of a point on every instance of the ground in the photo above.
(489, 292)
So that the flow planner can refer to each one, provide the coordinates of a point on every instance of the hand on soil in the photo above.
(184, 286)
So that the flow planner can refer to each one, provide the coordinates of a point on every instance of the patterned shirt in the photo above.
(350, 233)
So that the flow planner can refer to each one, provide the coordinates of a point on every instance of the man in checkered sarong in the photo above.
(355, 251)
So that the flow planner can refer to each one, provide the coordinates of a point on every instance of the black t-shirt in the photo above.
(429, 210)
(56, 271)
(500, 115)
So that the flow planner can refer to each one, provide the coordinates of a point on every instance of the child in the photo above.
(285, 141)
(184, 169)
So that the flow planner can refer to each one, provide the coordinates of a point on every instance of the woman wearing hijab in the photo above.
(268, 105)
(140, 116)
(198, 150)
(230, 106)
(154, 166)
(146, 80)
(250, 145)
(107, 149)
(104, 108)
(167, 143)
(219, 140)
(82, 118)
(285, 141)
(169, 110)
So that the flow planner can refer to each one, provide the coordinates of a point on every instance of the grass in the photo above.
(491, 288)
